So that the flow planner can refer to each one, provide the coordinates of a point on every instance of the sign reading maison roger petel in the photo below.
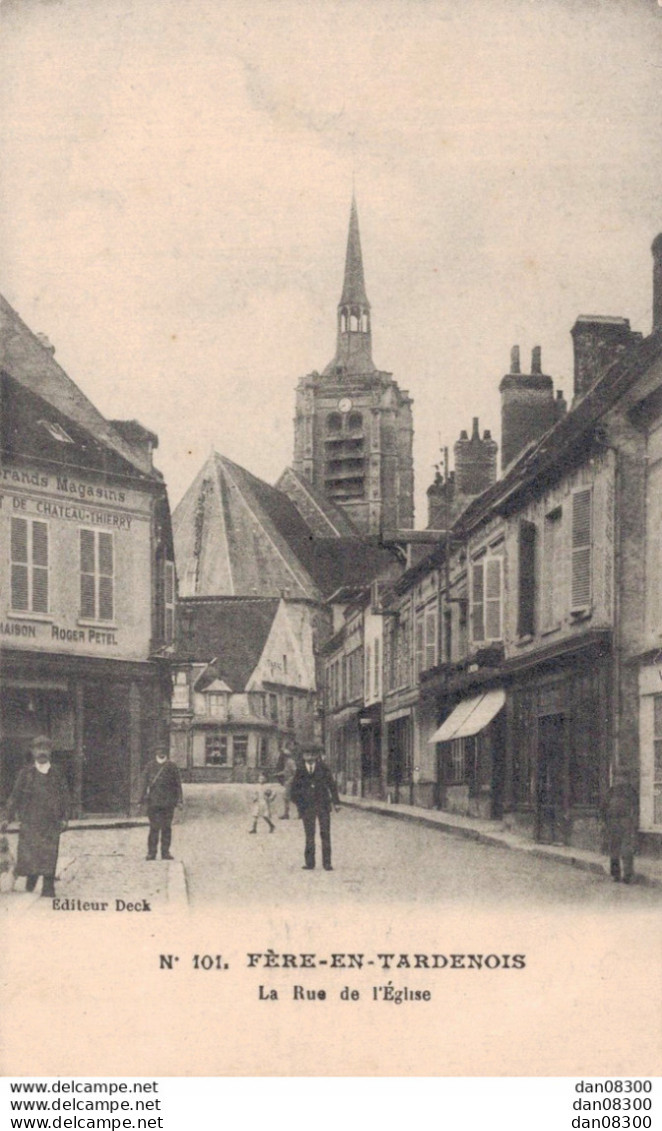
(75, 575)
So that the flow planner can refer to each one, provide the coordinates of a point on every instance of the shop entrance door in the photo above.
(106, 748)
(551, 823)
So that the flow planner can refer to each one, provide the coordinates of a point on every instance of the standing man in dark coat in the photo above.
(40, 799)
(161, 792)
(314, 792)
(620, 817)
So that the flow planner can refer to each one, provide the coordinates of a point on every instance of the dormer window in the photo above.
(56, 432)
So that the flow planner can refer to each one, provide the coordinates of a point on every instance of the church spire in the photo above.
(353, 291)
(354, 346)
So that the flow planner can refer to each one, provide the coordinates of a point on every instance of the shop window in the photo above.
(581, 551)
(527, 579)
(96, 575)
(29, 565)
(216, 750)
(240, 749)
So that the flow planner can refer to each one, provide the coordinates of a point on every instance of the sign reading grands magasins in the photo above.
(75, 575)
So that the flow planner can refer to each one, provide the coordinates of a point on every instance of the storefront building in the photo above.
(87, 582)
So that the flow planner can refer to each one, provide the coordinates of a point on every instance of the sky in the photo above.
(177, 176)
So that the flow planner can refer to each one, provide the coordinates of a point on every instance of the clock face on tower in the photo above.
(344, 404)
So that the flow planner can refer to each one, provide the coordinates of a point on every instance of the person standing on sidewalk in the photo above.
(620, 818)
(314, 792)
(161, 792)
(40, 799)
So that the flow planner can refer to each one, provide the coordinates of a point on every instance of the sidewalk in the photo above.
(104, 861)
(648, 870)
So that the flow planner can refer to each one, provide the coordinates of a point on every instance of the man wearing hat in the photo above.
(314, 792)
(161, 792)
(620, 820)
(40, 799)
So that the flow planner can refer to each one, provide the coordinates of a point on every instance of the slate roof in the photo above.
(32, 366)
(232, 631)
(325, 519)
(236, 535)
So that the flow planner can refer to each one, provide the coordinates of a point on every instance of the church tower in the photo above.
(353, 427)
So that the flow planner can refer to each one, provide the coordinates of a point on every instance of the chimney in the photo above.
(137, 436)
(438, 507)
(657, 283)
(527, 405)
(560, 404)
(598, 341)
(475, 461)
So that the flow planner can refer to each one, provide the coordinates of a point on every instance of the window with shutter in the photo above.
(581, 551)
(477, 602)
(29, 565)
(97, 575)
(550, 573)
(430, 637)
(527, 579)
(420, 642)
(493, 599)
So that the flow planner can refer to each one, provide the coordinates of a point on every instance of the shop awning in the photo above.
(470, 716)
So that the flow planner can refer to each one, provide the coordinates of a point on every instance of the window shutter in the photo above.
(430, 638)
(581, 550)
(87, 575)
(527, 579)
(477, 602)
(493, 599)
(19, 567)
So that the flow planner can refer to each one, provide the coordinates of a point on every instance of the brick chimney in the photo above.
(657, 283)
(440, 496)
(475, 462)
(527, 405)
(598, 340)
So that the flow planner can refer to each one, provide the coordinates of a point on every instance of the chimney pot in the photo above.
(536, 360)
(514, 360)
(487, 435)
(475, 435)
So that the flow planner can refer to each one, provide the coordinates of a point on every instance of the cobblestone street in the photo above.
(375, 860)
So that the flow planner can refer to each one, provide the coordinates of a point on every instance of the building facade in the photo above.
(87, 581)
(243, 686)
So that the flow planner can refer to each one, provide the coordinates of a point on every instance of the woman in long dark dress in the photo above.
(40, 799)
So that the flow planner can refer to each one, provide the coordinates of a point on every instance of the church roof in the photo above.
(236, 535)
(324, 518)
(30, 363)
(230, 631)
(353, 291)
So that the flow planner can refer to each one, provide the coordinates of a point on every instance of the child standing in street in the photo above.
(262, 802)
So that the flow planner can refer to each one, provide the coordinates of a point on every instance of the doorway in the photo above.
(106, 747)
(551, 824)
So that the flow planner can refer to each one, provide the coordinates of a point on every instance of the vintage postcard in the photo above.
(331, 564)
